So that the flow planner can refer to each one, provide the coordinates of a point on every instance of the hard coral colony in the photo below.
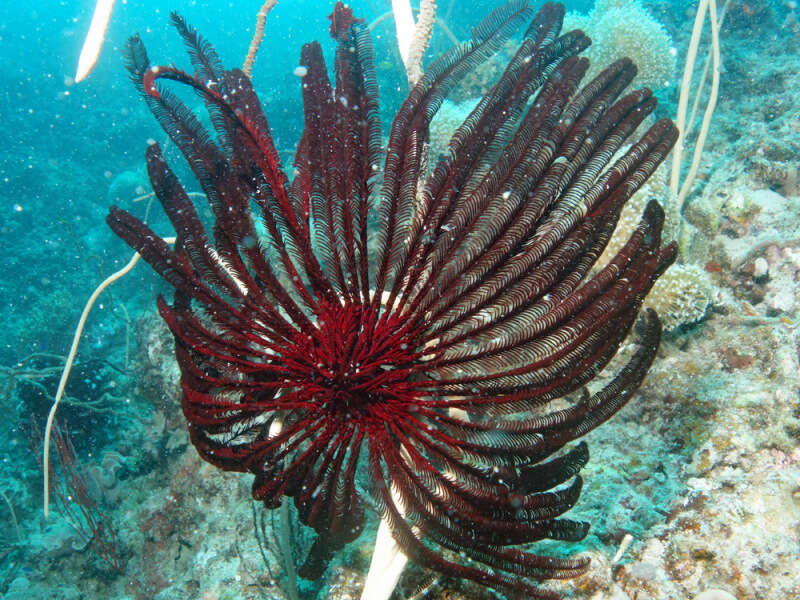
(426, 360)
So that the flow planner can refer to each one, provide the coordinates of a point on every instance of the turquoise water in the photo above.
(679, 469)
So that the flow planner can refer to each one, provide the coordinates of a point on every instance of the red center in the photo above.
(355, 364)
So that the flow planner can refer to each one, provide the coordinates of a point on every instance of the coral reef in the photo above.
(681, 296)
(444, 124)
(126, 186)
(625, 28)
(617, 28)
(701, 469)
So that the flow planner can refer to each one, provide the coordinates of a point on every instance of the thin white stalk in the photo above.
(404, 24)
(712, 103)
(73, 351)
(283, 534)
(681, 190)
(287, 555)
(683, 100)
(388, 561)
(62, 384)
(94, 39)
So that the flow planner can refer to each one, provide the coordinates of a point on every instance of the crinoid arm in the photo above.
(368, 327)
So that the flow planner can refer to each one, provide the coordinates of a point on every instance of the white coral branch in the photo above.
(94, 39)
(413, 38)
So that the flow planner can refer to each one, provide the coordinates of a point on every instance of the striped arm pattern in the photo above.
(371, 327)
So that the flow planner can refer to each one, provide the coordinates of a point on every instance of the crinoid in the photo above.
(424, 358)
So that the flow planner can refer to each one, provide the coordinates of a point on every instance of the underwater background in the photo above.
(697, 480)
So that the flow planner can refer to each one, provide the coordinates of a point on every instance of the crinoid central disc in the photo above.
(356, 362)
